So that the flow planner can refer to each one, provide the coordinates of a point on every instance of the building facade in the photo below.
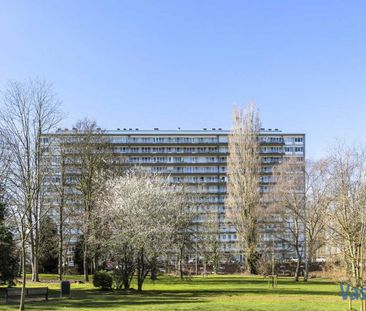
(198, 158)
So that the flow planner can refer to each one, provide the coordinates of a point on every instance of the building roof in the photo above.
(156, 131)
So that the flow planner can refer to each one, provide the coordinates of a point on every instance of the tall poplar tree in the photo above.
(243, 200)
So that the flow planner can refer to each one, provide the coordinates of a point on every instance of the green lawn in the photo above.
(233, 292)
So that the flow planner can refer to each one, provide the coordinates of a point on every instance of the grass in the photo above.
(223, 292)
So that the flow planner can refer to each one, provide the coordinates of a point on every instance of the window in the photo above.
(298, 139)
(289, 149)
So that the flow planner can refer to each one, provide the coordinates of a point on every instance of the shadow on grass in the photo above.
(93, 298)
(102, 300)
(245, 281)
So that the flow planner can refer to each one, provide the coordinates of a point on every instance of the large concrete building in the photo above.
(199, 158)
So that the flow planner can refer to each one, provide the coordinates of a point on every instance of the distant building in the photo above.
(199, 158)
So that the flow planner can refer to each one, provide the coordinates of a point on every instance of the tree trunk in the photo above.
(297, 271)
(306, 271)
(61, 227)
(32, 248)
(154, 270)
(196, 264)
(181, 274)
(60, 245)
(307, 263)
(139, 285)
(22, 296)
(35, 272)
(297, 247)
(167, 270)
(94, 264)
(141, 270)
(251, 250)
(176, 264)
(126, 281)
(216, 261)
(85, 261)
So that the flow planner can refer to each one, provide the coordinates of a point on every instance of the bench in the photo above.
(15, 292)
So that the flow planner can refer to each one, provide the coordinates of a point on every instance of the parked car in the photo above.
(320, 259)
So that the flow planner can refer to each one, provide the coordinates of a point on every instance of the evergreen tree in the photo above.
(48, 260)
(9, 263)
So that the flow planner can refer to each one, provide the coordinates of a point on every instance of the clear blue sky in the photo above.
(172, 64)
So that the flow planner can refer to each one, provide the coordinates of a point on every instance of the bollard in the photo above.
(65, 289)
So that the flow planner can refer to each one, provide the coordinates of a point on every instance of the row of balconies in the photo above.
(209, 189)
(128, 151)
(211, 200)
(187, 140)
(72, 180)
(221, 138)
(271, 140)
(192, 171)
(198, 180)
(271, 160)
(163, 150)
(166, 140)
(184, 170)
(175, 162)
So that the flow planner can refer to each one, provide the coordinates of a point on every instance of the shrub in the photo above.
(264, 267)
(117, 276)
(103, 280)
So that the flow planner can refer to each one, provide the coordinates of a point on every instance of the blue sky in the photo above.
(172, 64)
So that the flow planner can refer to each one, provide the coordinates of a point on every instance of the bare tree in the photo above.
(347, 214)
(288, 203)
(60, 184)
(209, 240)
(5, 160)
(300, 200)
(90, 156)
(243, 200)
(29, 110)
(185, 238)
(61, 189)
(317, 203)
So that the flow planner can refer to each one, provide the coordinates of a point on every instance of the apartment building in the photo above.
(198, 158)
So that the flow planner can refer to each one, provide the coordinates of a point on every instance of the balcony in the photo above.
(165, 141)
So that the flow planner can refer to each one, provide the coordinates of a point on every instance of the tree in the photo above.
(317, 203)
(9, 263)
(90, 154)
(79, 254)
(347, 213)
(243, 200)
(48, 252)
(185, 233)
(209, 240)
(287, 198)
(28, 111)
(61, 186)
(140, 213)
